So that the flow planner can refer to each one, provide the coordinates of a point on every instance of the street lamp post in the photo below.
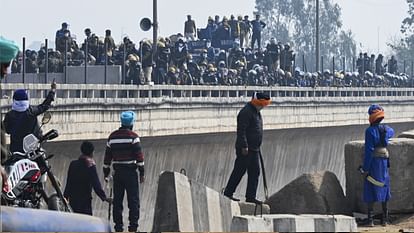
(154, 34)
(317, 36)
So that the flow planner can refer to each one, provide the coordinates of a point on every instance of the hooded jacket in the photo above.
(21, 124)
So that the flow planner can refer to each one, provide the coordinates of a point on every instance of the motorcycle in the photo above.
(28, 173)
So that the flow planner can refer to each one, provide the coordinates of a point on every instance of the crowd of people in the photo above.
(222, 53)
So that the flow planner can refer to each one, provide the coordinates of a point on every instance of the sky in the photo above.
(370, 20)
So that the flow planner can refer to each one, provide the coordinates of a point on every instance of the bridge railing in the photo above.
(102, 91)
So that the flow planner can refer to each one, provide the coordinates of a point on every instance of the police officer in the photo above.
(376, 164)
(249, 139)
(257, 26)
(123, 150)
(272, 55)
(82, 177)
(22, 119)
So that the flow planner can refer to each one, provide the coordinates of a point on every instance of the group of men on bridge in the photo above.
(124, 153)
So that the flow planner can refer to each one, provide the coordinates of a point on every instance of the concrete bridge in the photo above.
(192, 127)
(183, 110)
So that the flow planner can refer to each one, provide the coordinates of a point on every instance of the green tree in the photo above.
(403, 47)
(294, 21)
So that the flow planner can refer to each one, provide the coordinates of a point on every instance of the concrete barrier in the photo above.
(186, 205)
(294, 223)
(31, 220)
(407, 134)
(401, 172)
(314, 193)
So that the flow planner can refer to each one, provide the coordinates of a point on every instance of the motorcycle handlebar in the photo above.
(52, 134)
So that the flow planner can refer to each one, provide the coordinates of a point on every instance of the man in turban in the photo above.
(249, 139)
(376, 164)
(8, 51)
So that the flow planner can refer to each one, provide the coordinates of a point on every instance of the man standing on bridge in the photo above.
(249, 139)
(123, 150)
(376, 164)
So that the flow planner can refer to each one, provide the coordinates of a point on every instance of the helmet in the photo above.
(161, 44)
(133, 57)
(273, 40)
(252, 72)
(171, 69)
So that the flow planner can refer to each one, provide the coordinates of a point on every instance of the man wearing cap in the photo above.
(249, 139)
(376, 164)
(82, 177)
(123, 151)
(21, 120)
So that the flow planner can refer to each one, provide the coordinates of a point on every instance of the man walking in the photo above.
(123, 150)
(82, 177)
(249, 139)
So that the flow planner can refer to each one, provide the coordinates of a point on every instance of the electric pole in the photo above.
(154, 33)
(317, 36)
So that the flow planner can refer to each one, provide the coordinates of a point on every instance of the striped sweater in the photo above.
(124, 147)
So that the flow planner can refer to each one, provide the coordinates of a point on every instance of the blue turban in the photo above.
(374, 108)
(8, 50)
(127, 118)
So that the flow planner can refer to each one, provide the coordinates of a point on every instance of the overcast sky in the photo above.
(40, 19)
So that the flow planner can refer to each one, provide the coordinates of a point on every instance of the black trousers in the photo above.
(81, 206)
(256, 37)
(126, 179)
(243, 163)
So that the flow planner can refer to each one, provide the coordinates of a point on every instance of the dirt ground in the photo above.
(400, 223)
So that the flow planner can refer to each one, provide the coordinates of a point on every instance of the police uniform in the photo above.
(123, 151)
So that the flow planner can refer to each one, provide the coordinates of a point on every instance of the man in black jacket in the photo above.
(22, 119)
(249, 139)
(82, 177)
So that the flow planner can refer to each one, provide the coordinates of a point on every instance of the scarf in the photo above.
(20, 105)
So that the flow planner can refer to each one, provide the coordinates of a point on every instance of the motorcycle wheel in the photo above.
(55, 203)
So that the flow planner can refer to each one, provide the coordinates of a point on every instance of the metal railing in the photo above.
(104, 91)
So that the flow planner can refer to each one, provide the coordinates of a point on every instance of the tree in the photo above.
(403, 47)
(294, 21)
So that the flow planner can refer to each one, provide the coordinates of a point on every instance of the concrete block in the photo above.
(291, 223)
(250, 224)
(251, 209)
(401, 172)
(407, 134)
(294, 223)
(316, 193)
(186, 205)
